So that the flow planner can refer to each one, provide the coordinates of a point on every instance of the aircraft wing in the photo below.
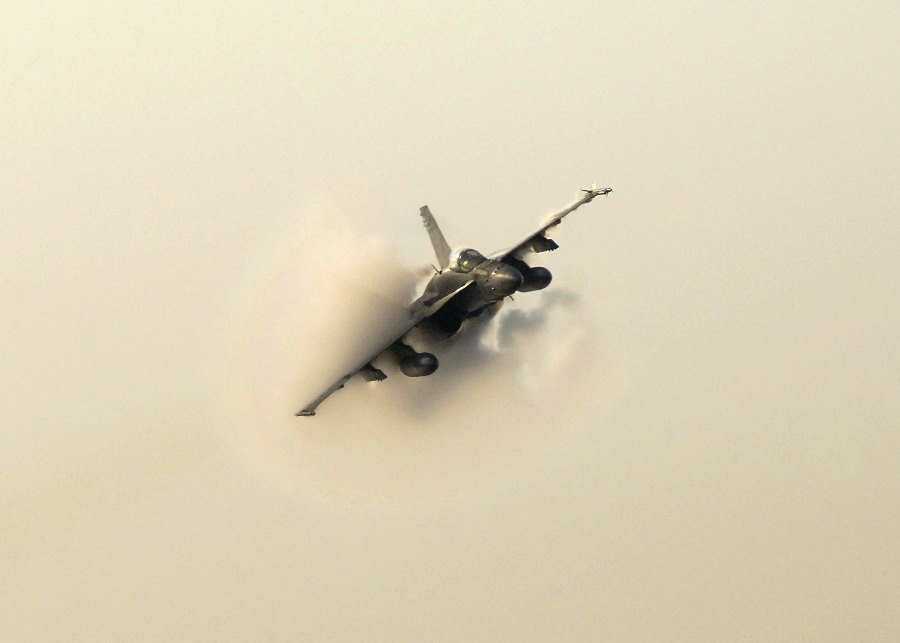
(538, 241)
(420, 309)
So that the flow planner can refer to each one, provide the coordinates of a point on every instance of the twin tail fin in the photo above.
(441, 249)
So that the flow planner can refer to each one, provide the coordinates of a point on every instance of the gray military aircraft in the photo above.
(467, 284)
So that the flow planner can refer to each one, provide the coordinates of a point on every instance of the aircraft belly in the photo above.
(470, 301)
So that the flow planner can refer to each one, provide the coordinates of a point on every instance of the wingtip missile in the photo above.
(593, 191)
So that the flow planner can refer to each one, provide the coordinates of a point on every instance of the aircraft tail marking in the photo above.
(441, 249)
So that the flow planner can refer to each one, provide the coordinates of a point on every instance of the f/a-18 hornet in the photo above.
(466, 285)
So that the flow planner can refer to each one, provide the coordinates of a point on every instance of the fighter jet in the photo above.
(465, 285)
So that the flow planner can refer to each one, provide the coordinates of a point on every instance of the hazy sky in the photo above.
(692, 435)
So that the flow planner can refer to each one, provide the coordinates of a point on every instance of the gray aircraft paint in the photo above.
(467, 285)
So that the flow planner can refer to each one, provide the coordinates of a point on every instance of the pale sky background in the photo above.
(204, 206)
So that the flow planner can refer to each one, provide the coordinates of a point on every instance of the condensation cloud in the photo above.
(691, 435)
(502, 386)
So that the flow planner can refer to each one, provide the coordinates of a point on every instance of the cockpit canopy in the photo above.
(465, 260)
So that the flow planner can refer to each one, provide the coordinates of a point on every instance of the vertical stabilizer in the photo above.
(441, 249)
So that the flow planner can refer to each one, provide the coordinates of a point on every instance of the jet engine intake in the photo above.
(536, 278)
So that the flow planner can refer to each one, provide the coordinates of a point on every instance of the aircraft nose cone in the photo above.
(505, 280)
